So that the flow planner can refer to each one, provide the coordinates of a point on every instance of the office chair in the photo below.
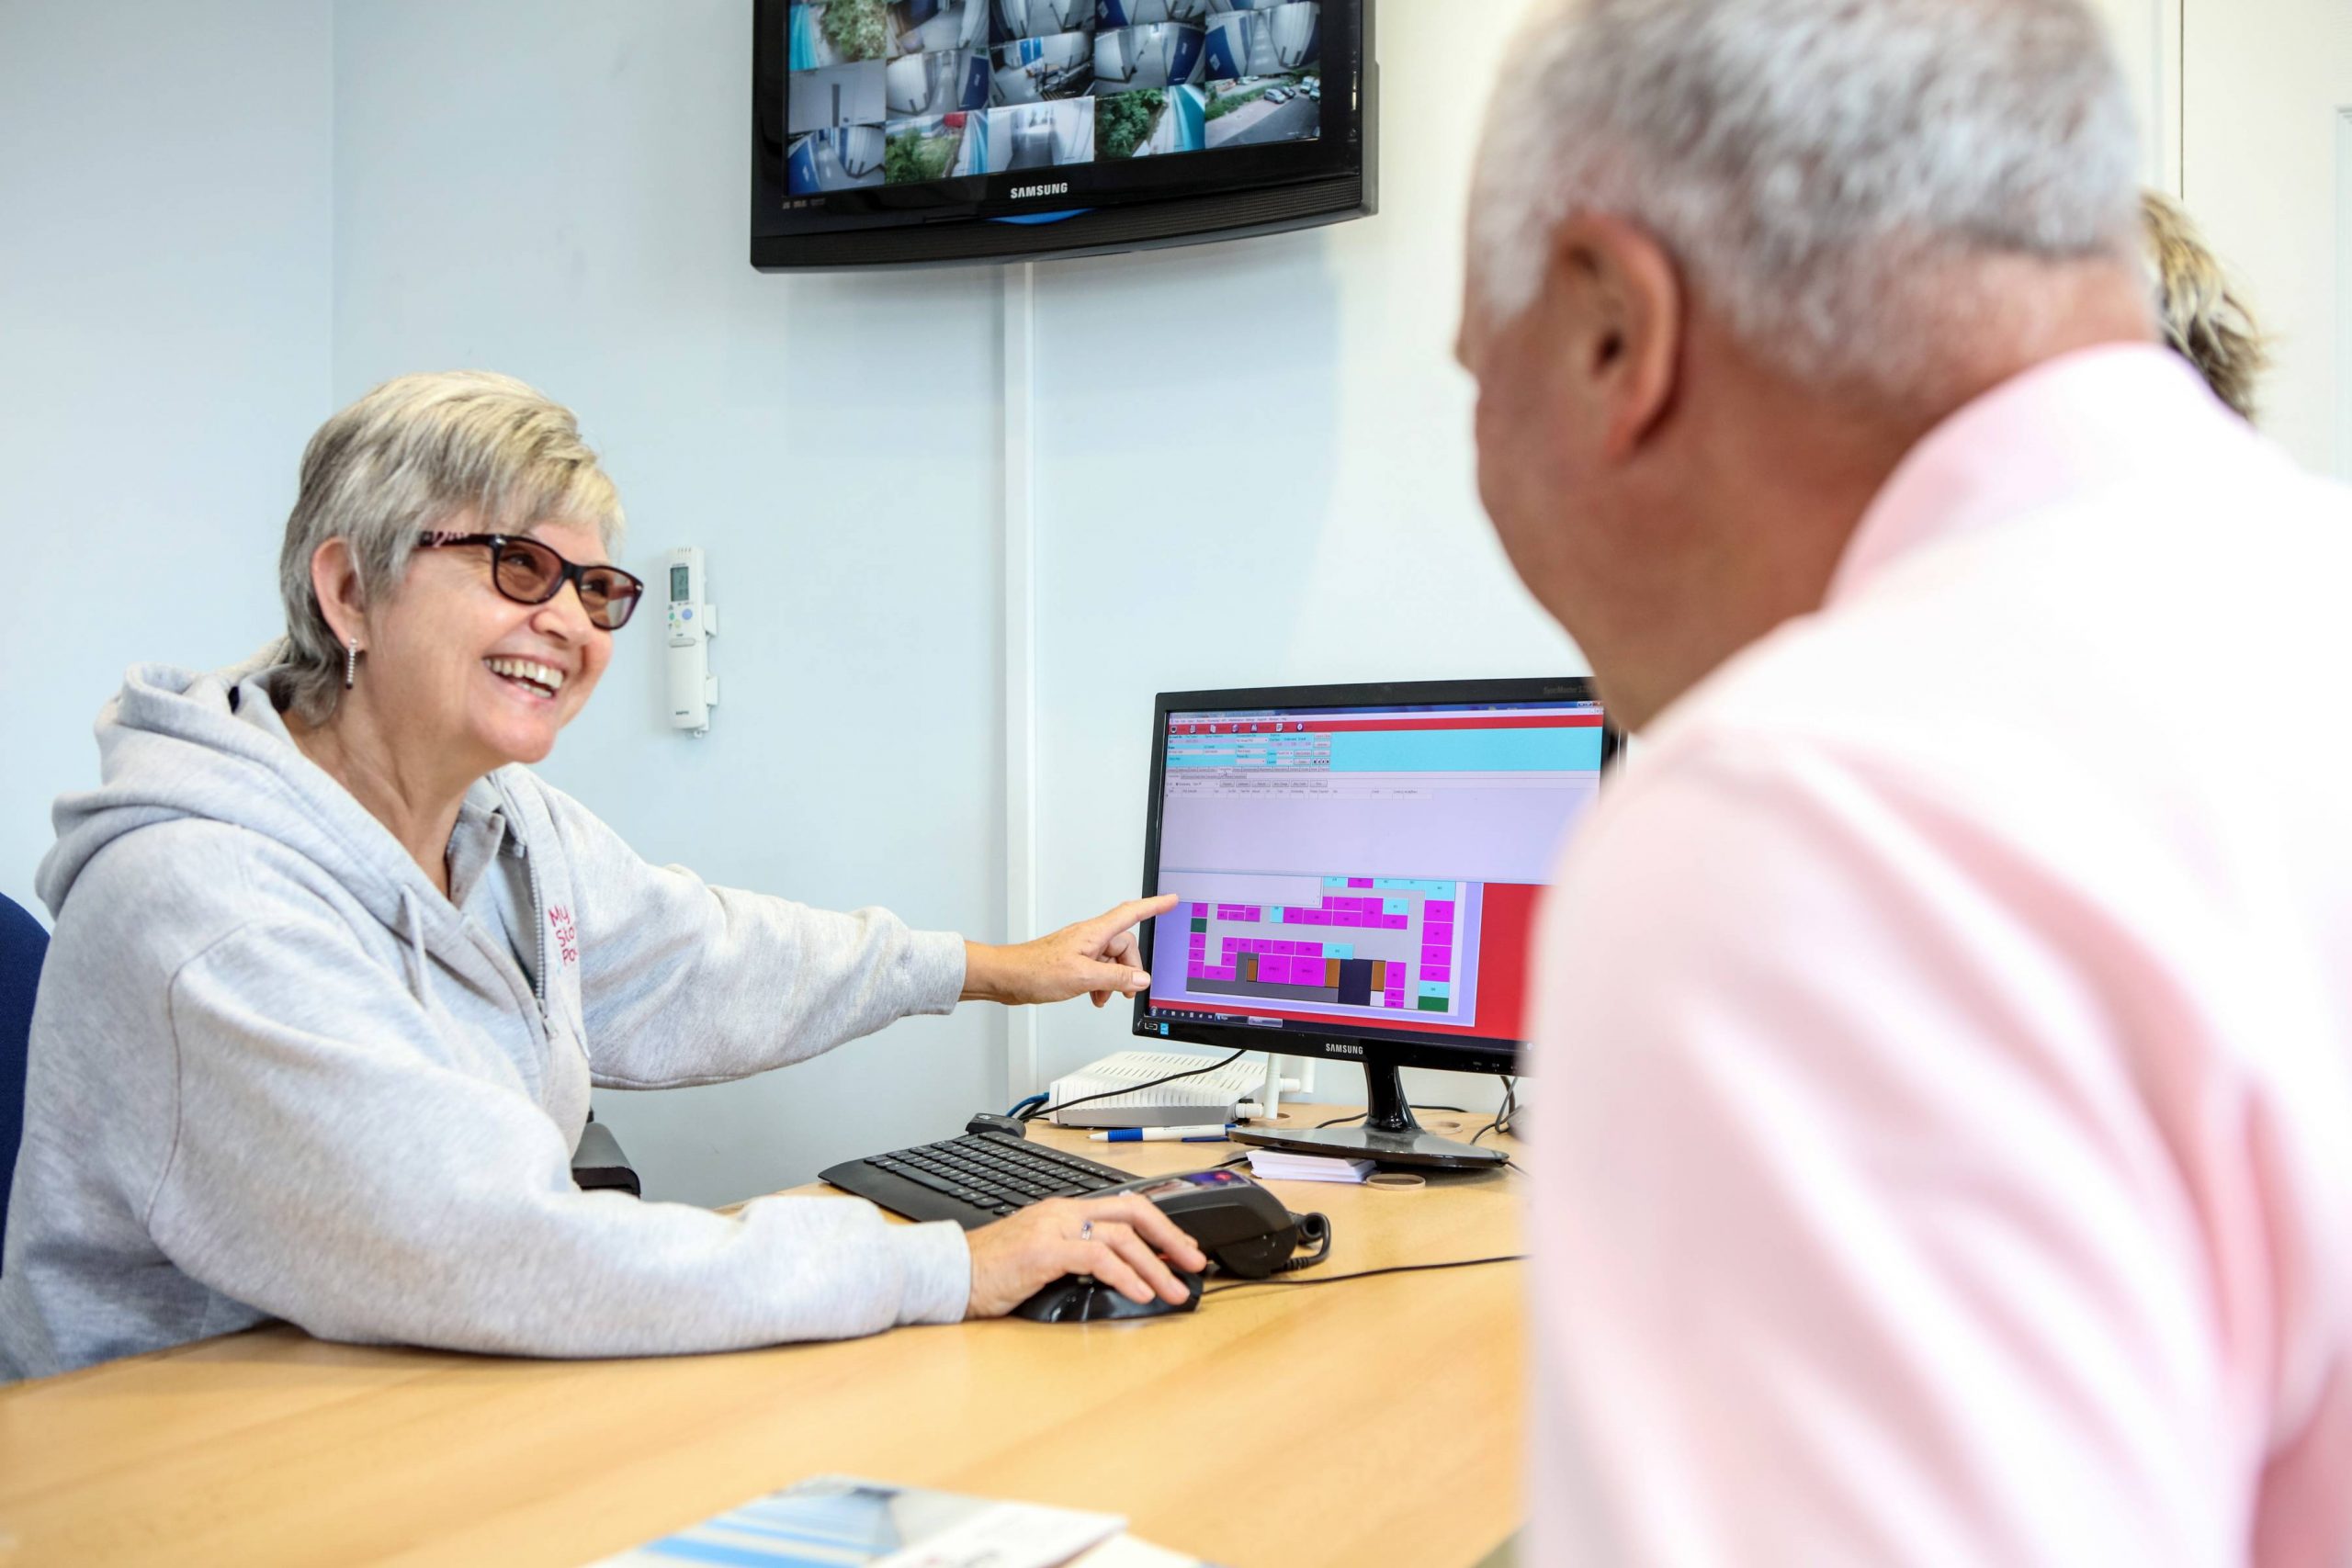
(23, 944)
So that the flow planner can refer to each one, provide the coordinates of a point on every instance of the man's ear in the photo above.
(335, 577)
(1629, 306)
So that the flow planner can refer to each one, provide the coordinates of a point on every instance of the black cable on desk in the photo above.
(1501, 1124)
(1371, 1273)
(1343, 1121)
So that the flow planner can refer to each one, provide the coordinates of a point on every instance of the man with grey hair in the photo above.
(1950, 1151)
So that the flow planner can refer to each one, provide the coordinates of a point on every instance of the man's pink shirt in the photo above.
(1945, 1146)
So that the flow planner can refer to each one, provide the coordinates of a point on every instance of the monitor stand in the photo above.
(1389, 1135)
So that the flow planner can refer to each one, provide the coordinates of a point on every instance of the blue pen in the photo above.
(1208, 1134)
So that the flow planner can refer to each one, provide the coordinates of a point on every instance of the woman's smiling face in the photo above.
(453, 664)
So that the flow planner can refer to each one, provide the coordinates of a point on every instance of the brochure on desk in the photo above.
(836, 1521)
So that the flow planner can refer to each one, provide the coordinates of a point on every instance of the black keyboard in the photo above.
(972, 1179)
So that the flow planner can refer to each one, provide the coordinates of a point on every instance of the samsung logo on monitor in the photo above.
(1341, 1048)
(1023, 193)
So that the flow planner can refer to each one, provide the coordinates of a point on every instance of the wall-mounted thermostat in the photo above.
(693, 621)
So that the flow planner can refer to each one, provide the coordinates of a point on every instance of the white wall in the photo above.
(2147, 37)
(2270, 90)
(166, 220)
(557, 188)
(1290, 501)
(1286, 495)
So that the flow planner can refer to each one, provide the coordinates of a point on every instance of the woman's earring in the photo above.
(350, 664)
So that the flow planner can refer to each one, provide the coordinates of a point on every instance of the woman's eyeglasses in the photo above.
(531, 573)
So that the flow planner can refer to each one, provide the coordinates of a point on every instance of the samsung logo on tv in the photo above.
(1340, 1048)
(1023, 193)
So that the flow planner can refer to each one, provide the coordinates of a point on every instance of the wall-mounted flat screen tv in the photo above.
(888, 132)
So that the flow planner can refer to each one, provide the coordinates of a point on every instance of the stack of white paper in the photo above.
(1277, 1165)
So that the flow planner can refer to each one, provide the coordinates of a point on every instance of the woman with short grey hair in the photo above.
(334, 972)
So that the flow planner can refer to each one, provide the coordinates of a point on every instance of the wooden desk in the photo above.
(1372, 1422)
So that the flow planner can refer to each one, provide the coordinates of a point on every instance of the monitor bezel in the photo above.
(1373, 1047)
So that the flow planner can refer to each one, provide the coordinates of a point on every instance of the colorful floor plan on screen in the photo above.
(1357, 941)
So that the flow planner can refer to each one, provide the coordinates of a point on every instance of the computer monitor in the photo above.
(1358, 869)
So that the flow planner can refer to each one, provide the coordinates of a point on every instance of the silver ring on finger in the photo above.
(1086, 1231)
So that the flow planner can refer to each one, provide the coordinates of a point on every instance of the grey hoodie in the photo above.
(277, 1074)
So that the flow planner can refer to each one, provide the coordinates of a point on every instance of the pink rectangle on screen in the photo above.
(1200, 912)
(1438, 909)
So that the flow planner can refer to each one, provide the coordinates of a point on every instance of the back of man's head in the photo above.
(1832, 175)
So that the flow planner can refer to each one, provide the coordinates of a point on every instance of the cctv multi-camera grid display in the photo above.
(1357, 870)
(914, 110)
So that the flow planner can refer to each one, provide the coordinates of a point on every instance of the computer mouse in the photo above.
(1081, 1298)
(988, 1122)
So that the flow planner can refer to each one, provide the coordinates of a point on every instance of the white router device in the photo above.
(1240, 1089)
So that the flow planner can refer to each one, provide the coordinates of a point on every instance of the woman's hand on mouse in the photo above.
(1120, 1240)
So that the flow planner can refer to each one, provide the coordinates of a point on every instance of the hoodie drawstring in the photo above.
(417, 981)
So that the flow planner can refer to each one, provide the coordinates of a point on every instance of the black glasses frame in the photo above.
(620, 606)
